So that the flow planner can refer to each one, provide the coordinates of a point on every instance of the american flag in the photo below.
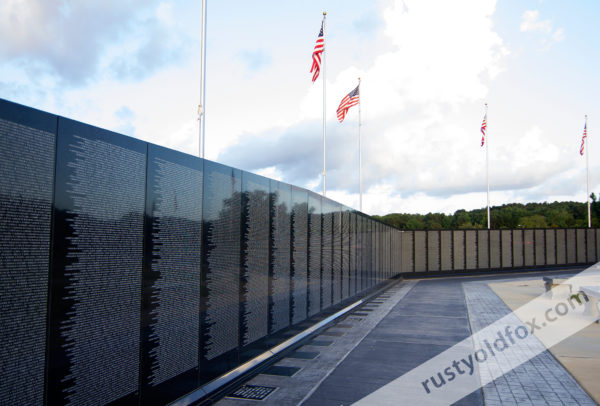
(351, 99)
(316, 56)
(483, 127)
(583, 139)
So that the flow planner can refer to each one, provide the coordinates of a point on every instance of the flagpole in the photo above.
(324, 102)
(587, 164)
(487, 172)
(202, 105)
(359, 151)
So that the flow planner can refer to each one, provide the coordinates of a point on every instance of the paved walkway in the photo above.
(539, 381)
(399, 330)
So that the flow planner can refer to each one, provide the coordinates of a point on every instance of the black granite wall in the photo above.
(134, 274)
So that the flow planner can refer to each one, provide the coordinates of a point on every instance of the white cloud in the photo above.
(72, 41)
(530, 22)
(164, 13)
(558, 35)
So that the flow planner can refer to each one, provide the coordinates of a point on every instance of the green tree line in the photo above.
(514, 215)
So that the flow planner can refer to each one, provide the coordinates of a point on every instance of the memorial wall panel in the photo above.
(507, 254)
(571, 246)
(369, 251)
(94, 337)
(420, 251)
(337, 252)
(591, 245)
(27, 151)
(389, 248)
(551, 247)
(495, 249)
(359, 254)
(380, 240)
(370, 254)
(314, 253)
(372, 230)
(255, 254)
(597, 244)
(381, 251)
(373, 252)
(518, 248)
(327, 257)
(352, 253)
(392, 248)
(299, 254)
(362, 252)
(471, 248)
(483, 249)
(391, 252)
(561, 246)
(459, 249)
(345, 253)
(407, 251)
(376, 252)
(221, 279)
(446, 250)
(581, 246)
(433, 250)
(386, 252)
(540, 247)
(397, 258)
(529, 246)
(281, 213)
(171, 277)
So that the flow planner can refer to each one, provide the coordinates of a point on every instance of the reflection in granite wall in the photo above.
(281, 206)
(299, 254)
(314, 253)
(221, 249)
(171, 278)
(255, 258)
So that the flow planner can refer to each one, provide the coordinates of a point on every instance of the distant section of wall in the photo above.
(429, 251)
(134, 274)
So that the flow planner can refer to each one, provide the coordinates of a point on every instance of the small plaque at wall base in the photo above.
(252, 392)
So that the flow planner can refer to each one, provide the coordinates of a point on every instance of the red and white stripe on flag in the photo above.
(316, 56)
(483, 128)
(351, 99)
(581, 149)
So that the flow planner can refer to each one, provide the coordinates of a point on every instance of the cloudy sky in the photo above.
(427, 67)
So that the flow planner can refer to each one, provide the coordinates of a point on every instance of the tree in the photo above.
(535, 221)
(514, 215)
